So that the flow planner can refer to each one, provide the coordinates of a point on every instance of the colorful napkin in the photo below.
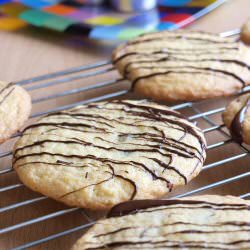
(100, 22)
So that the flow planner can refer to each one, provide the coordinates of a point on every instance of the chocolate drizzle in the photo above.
(141, 206)
(185, 71)
(175, 51)
(170, 224)
(204, 37)
(7, 87)
(173, 59)
(236, 128)
(240, 224)
(162, 54)
(145, 147)
(168, 244)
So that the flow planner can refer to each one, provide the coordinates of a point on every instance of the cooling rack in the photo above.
(22, 211)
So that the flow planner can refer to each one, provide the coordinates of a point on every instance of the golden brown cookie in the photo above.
(15, 107)
(184, 65)
(245, 32)
(98, 155)
(237, 118)
(202, 222)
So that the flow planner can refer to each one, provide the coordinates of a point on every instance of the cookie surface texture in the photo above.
(15, 107)
(184, 65)
(202, 222)
(237, 118)
(97, 155)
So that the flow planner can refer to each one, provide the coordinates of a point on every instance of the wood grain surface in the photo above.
(33, 52)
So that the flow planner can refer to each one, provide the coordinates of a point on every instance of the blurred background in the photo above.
(73, 31)
(113, 20)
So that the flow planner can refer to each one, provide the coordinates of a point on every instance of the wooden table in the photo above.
(32, 52)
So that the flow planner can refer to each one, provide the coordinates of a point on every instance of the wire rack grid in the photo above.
(226, 170)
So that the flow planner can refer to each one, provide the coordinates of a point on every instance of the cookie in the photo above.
(184, 65)
(100, 154)
(15, 107)
(202, 222)
(245, 32)
(237, 118)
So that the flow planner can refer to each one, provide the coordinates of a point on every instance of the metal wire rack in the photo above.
(226, 164)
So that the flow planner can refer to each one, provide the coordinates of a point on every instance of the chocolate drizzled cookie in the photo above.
(15, 107)
(184, 65)
(237, 118)
(100, 154)
(202, 222)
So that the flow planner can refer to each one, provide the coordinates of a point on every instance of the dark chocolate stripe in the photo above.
(103, 160)
(174, 59)
(151, 110)
(6, 87)
(162, 208)
(194, 231)
(83, 143)
(238, 224)
(9, 85)
(182, 36)
(175, 51)
(84, 187)
(172, 142)
(6, 96)
(168, 167)
(171, 244)
(112, 176)
(177, 149)
(46, 124)
(187, 72)
(126, 208)
(79, 117)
